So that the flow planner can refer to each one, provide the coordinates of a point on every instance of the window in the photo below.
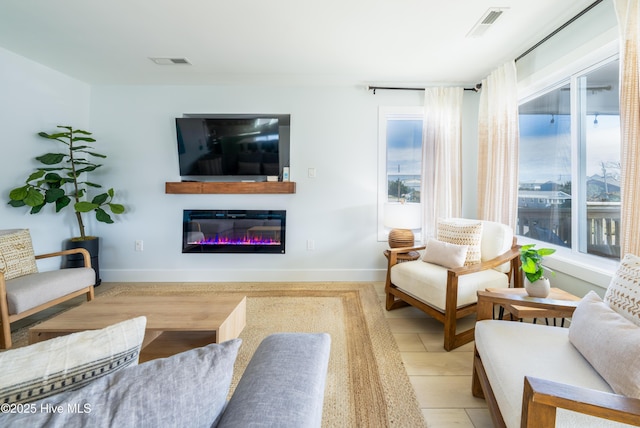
(400, 158)
(569, 187)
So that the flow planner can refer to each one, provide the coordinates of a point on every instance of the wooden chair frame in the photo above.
(396, 298)
(542, 397)
(6, 319)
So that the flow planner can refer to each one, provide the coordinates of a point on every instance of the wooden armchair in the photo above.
(24, 291)
(448, 294)
(542, 397)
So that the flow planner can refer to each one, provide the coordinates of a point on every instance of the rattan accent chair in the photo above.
(25, 291)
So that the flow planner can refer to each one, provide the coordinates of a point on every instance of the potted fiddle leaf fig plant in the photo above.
(536, 284)
(60, 181)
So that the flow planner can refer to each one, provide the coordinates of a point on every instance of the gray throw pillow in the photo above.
(185, 390)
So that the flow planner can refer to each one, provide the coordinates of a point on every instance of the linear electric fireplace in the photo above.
(233, 231)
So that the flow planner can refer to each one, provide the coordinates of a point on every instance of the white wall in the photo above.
(35, 98)
(333, 129)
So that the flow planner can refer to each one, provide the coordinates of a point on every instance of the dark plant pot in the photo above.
(76, 260)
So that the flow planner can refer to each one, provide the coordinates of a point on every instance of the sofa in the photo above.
(92, 378)
(586, 375)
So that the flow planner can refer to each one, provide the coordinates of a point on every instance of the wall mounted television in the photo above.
(232, 147)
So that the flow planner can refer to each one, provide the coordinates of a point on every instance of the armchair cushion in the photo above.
(512, 350)
(623, 293)
(445, 254)
(16, 253)
(609, 342)
(29, 291)
(497, 238)
(428, 282)
(463, 232)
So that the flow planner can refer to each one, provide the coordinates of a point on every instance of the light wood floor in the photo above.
(441, 379)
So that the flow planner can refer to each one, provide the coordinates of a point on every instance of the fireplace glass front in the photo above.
(233, 231)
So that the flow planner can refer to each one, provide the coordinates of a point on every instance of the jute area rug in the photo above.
(367, 384)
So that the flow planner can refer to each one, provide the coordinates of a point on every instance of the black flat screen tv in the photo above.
(232, 147)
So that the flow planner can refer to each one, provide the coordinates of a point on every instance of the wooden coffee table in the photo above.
(174, 323)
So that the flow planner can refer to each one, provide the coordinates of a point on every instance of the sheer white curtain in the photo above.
(628, 21)
(441, 159)
(498, 140)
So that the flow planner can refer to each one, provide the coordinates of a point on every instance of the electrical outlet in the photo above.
(139, 245)
(311, 245)
(312, 173)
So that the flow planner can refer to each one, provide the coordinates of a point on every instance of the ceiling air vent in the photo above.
(170, 61)
(487, 20)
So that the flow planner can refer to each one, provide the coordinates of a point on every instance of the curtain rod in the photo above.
(393, 88)
(557, 30)
(522, 55)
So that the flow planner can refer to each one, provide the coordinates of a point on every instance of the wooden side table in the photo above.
(519, 312)
(404, 257)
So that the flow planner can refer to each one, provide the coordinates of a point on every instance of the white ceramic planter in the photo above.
(539, 288)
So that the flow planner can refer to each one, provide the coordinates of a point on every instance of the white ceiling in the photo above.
(276, 41)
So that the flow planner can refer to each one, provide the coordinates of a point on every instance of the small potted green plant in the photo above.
(60, 182)
(536, 284)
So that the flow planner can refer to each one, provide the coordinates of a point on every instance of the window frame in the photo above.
(411, 112)
(588, 267)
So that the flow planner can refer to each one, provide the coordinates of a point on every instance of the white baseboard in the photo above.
(245, 275)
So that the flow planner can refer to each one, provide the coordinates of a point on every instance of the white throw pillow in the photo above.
(609, 342)
(445, 254)
(462, 232)
(623, 293)
(68, 362)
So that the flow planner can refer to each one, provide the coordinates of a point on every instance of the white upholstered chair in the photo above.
(24, 291)
(587, 375)
(468, 256)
